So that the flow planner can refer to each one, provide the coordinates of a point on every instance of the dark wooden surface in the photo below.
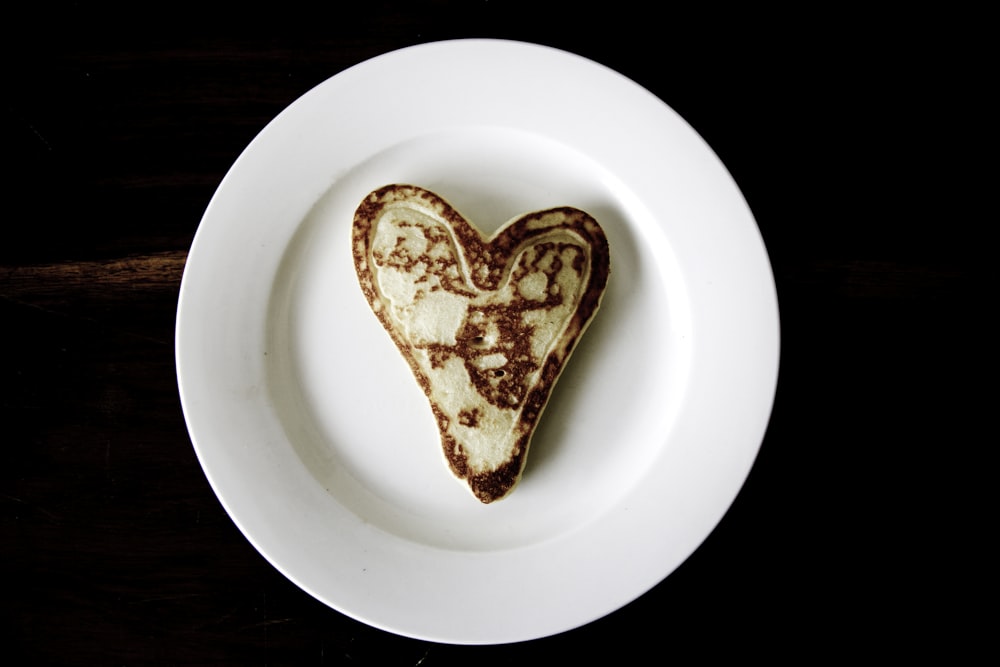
(117, 129)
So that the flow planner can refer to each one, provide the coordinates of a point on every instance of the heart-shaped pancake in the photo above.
(486, 324)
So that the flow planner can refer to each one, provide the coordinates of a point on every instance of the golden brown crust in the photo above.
(539, 244)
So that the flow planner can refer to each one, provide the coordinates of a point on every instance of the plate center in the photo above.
(354, 414)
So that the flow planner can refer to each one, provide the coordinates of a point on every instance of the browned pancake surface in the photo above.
(486, 324)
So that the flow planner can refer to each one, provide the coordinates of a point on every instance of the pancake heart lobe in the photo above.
(486, 324)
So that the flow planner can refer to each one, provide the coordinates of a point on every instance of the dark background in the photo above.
(849, 538)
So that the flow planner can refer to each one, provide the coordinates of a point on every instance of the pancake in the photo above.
(485, 324)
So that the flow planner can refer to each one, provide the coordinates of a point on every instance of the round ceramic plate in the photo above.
(316, 437)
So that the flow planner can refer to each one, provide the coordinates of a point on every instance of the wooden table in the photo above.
(117, 131)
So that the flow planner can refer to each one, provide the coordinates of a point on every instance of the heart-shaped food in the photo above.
(487, 325)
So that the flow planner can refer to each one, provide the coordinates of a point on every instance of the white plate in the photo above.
(317, 439)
